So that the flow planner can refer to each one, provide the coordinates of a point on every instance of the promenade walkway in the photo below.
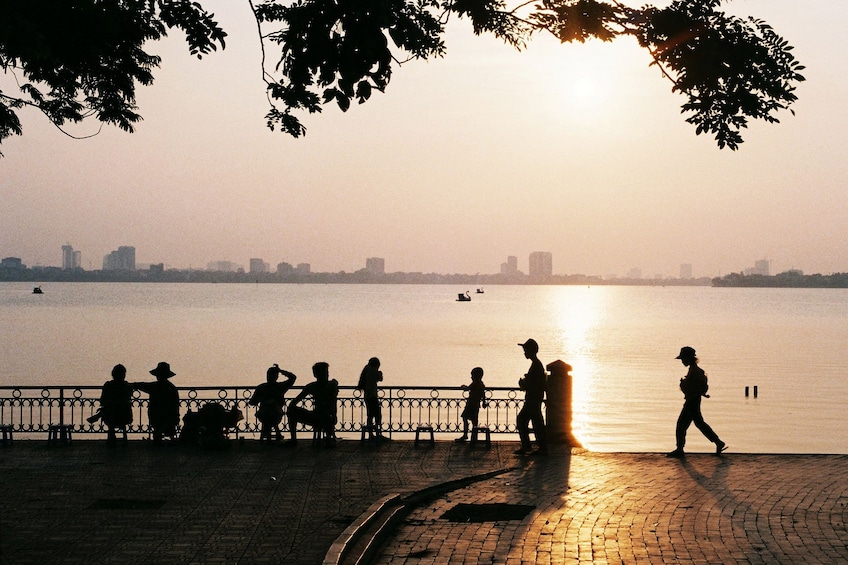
(84, 503)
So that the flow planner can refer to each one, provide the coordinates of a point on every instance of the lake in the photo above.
(621, 341)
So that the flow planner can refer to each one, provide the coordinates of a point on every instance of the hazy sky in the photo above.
(579, 150)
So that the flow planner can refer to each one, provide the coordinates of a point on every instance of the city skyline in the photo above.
(539, 265)
(579, 150)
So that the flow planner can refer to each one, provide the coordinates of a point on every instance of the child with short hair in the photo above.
(476, 398)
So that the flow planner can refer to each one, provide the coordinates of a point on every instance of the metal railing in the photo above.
(32, 409)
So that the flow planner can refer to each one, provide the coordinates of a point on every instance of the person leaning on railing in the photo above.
(163, 409)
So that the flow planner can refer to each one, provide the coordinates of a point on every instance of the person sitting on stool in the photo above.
(322, 418)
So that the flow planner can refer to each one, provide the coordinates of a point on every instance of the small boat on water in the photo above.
(37, 290)
(480, 290)
(463, 297)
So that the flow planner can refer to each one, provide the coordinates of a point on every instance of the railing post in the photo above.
(62, 406)
(559, 405)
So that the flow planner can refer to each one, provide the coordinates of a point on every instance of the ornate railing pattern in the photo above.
(30, 410)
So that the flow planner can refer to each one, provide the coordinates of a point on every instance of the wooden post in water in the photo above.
(559, 405)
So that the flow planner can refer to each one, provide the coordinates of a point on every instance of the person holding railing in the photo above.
(163, 409)
(270, 399)
(115, 405)
(476, 397)
(368, 383)
(323, 417)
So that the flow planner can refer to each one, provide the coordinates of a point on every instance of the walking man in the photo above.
(694, 386)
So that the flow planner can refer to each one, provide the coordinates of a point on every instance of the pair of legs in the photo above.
(374, 416)
(270, 431)
(468, 421)
(532, 413)
(112, 434)
(317, 421)
(691, 414)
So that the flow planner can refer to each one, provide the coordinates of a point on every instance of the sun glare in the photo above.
(578, 313)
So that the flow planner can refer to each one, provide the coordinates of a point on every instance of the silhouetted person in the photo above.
(208, 427)
(163, 408)
(533, 384)
(476, 397)
(270, 398)
(115, 405)
(694, 385)
(368, 379)
(322, 418)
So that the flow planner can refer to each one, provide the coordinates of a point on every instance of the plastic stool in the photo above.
(6, 435)
(425, 429)
(59, 433)
(485, 430)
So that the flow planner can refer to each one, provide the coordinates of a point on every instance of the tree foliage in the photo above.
(74, 59)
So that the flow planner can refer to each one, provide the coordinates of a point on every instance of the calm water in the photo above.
(790, 343)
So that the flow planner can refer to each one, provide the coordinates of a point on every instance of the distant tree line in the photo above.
(789, 279)
(472, 281)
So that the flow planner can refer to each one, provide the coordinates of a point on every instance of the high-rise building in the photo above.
(284, 268)
(303, 269)
(686, 271)
(259, 266)
(375, 265)
(541, 264)
(511, 266)
(122, 259)
(70, 259)
(761, 267)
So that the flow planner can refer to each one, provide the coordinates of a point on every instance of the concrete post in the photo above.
(559, 405)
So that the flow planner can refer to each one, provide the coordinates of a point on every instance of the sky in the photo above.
(579, 150)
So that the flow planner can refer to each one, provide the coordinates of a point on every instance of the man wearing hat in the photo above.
(533, 384)
(163, 408)
(694, 385)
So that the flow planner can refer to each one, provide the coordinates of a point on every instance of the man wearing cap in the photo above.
(694, 385)
(533, 384)
(163, 408)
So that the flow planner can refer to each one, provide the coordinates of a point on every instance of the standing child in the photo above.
(476, 398)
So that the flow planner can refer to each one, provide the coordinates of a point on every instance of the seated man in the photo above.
(322, 417)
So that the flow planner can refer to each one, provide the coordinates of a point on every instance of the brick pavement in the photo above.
(173, 504)
(259, 504)
(643, 508)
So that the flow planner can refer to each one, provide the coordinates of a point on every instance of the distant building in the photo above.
(511, 266)
(686, 271)
(761, 267)
(122, 259)
(12, 263)
(222, 266)
(157, 268)
(70, 259)
(375, 265)
(284, 268)
(541, 264)
(259, 266)
(303, 269)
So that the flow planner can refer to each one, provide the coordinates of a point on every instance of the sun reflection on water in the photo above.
(578, 313)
